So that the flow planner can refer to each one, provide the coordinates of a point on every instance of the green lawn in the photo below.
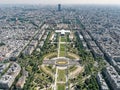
(62, 47)
(63, 39)
(62, 50)
(50, 55)
(48, 68)
(72, 68)
(61, 75)
(62, 54)
(60, 86)
(49, 89)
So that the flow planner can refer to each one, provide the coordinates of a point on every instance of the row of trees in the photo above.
(2, 44)
(87, 79)
(31, 64)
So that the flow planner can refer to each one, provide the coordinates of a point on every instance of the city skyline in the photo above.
(60, 46)
(59, 1)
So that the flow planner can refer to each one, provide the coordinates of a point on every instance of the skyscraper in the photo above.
(59, 7)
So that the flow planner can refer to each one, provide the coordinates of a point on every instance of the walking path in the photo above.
(59, 46)
(56, 75)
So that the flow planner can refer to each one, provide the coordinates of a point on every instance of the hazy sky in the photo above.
(60, 1)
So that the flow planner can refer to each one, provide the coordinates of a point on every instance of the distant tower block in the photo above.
(59, 7)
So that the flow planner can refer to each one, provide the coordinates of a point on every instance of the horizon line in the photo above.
(57, 4)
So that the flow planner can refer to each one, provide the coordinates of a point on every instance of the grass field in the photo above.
(47, 70)
(72, 55)
(62, 50)
(72, 68)
(60, 86)
(63, 39)
(50, 55)
(61, 75)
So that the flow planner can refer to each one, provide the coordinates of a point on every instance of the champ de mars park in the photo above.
(66, 64)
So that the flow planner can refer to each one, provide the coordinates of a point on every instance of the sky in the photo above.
(60, 1)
